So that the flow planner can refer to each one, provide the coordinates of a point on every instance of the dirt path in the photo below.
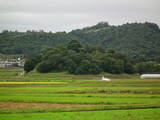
(21, 105)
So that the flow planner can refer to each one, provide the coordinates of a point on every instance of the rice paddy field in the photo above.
(61, 96)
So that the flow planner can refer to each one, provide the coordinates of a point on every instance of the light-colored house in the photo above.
(12, 61)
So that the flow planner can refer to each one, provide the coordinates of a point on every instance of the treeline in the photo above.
(76, 58)
(30, 43)
(136, 40)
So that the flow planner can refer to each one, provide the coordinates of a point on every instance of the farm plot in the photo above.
(20, 97)
(142, 114)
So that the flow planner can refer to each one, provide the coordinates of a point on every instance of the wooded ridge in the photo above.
(136, 40)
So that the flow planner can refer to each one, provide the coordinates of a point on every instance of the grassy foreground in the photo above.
(146, 114)
(56, 95)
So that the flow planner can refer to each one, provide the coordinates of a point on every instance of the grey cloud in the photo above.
(59, 15)
(58, 6)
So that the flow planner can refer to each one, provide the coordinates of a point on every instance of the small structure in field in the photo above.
(150, 76)
(22, 74)
(8, 61)
(105, 79)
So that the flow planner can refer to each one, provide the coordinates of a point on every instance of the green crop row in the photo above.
(141, 114)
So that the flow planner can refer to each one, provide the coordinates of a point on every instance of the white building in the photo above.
(11, 62)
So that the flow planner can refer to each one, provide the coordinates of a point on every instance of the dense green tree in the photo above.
(86, 67)
(29, 65)
(74, 45)
(71, 66)
(148, 67)
(112, 65)
(157, 59)
(44, 67)
(129, 67)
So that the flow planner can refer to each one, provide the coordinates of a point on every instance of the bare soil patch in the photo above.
(22, 105)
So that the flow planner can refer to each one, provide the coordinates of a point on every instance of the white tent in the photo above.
(150, 76)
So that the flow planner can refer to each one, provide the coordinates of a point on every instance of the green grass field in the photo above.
(147, 114)
(61, 96)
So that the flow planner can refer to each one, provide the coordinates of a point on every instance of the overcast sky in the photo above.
(65, 15)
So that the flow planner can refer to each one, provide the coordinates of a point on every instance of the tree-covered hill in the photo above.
(136, 40)
(30, 43)
(75, 58)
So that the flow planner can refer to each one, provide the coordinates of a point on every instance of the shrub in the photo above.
(129, 68)
(147, 67)
(44, 67)
(112, 65)
(29, 65)
(86, 67)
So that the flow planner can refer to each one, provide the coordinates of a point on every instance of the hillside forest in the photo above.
(77, 59)
(136, 40)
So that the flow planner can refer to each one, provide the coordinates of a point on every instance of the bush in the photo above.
(147, 67)
(74, 45)
(71, 66)
(29, 65)
(44, 67)
(86, 67)
(112, 65)
(129, 68)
